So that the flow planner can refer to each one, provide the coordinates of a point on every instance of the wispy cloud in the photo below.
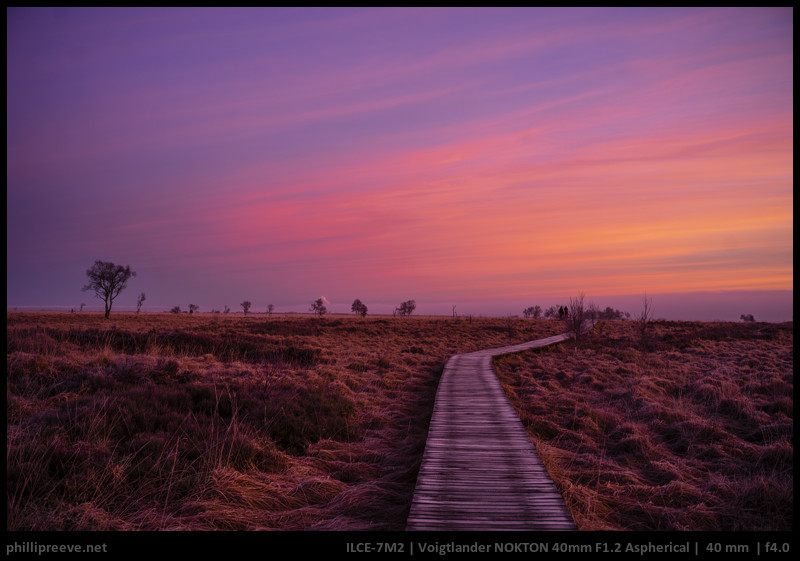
(484, 152)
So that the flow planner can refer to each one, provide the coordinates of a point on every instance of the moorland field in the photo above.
(232, 422)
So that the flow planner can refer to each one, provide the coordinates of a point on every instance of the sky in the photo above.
(488, 159)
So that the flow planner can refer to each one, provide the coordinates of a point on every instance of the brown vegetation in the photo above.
(695, 434)
(215, 421)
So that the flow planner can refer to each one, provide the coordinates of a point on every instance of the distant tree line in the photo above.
(534, 312)
(611, 313)
(556, 312)
(552, 312)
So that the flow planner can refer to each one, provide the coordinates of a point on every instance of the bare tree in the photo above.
(107, 280)
(139, 302)
(270, 309)
(359, 307)
(318, 307)
(574, 317)
(176, 310)
(643, 320)
(246, 306)
(193, 308)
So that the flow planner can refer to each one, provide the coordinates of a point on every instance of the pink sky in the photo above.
(484, 158)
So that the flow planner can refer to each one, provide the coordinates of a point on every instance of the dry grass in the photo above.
(694, 434)
(164, 422)
(213, 421)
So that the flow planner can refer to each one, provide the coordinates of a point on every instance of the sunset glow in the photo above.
(482, 158)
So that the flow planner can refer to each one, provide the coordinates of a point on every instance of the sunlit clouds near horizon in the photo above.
(443, 155)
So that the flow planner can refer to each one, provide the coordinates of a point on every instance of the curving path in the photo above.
(480, 470)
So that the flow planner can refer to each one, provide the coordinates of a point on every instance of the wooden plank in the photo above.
(480, 470)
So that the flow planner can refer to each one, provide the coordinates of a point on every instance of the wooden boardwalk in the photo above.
(480, 470)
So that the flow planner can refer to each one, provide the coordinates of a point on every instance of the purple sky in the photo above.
(490, 159)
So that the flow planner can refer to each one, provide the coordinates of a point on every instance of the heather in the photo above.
(692, 430)
(293, 422)
(220, 421)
